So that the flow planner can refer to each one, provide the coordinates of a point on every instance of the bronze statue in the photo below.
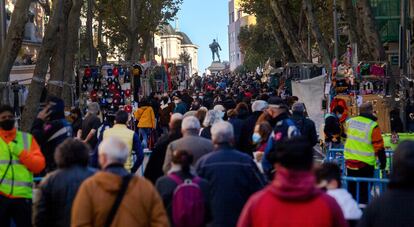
(215, 47)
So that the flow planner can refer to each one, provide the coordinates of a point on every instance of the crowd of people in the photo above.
(229, 151)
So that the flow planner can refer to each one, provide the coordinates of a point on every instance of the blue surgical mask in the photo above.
(256, 138)
(339, 116)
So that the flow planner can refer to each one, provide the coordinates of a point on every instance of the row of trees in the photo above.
(127, 25)
(284, 25)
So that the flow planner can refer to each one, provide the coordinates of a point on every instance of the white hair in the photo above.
(212, 117)
(190, 123)
(259, 105)
(219, 108)
(190, 113)
(222, 132)
(176, 117)
(115, 150)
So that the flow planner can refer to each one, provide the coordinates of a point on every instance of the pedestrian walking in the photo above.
(191, 142)
(395, 206)
(153, 170)
(129, 137)
(20, 158)
(113, 197)
(56, 192)
(232, 175)
(292, 199)
(363, 145)
(146, 121)
(185, 195)
(90, 125)
(284, 128)
(50, 128)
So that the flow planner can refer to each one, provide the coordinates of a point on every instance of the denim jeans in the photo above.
(144, 133)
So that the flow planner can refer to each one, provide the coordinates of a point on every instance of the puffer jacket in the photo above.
(53, 201)
(145, 117)
(141, 205)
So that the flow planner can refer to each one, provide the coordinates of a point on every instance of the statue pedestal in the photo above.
(216, 67)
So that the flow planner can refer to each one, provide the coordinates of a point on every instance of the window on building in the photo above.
(231, 17)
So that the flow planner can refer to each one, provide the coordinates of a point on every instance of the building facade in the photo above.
(170, 44)
(237, 20)
(33, 34)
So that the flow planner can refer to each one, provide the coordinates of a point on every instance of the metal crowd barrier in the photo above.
(375, 186)
(337, 156)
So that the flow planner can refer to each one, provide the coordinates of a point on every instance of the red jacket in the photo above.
(291, 200)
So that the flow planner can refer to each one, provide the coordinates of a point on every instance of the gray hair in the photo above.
(222, 132)
(190, 123)
(212, 117)
(176, 117)
(93, 108)
(259, 105)
(115, 150)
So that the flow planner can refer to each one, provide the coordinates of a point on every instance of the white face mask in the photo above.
(176, 101)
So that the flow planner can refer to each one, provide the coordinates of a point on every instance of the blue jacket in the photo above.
(284, 128)
(233, 178)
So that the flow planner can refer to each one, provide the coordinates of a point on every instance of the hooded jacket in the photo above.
(145, 117)
(141, 205)
(291, 200)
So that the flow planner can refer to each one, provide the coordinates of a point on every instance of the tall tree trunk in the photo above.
(14, 40)
(101, 46)
(370, 31)
(72, 44)
(89, 32)
(349, 14)
(40, 71)
(355, 29)
(133, 49)
(281, 42)
(287, 29)
(57, 63)
(323, 47)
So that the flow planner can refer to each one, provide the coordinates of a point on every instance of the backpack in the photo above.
(187, 203)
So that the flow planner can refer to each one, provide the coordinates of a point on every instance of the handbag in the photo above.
(124, 186)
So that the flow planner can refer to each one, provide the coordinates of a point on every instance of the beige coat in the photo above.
(141, 205)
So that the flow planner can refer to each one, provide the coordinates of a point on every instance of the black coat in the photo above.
(153, 171)
(49, 135)
(245, 143)
(56, 193)
(393, 208)
(306, 127)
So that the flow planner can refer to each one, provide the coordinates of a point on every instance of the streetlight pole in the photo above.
(335, 22)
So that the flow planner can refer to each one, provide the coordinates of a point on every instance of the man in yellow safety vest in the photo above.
(129, 137)
(20, 157)
(362, 147)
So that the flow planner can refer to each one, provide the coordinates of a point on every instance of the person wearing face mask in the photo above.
(50, 128)
(332, 128)
(180, 106)
(283, 128)
(20, 158)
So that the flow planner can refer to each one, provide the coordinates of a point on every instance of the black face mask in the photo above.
(7, 125)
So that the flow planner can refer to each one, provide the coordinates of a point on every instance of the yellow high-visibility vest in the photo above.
(358, 145)
(17, 179)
